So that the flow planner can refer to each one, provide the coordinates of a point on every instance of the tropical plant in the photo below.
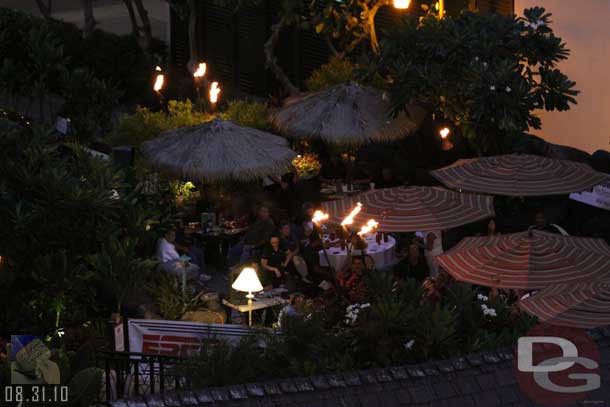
(395, 324)
(247, 113)
(307, 165)
(487, 73)
(335, 72)
(58, 205)
(118, 264)
(145, 124)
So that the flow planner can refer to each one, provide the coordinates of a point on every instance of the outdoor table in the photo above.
(383, 254)
(218, 242)
(259, 302)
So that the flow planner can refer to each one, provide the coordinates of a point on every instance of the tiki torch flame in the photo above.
(444, 132)
(370, 225)
(349, 219)
(200, 72)
(214, 91)
(159, 82)
(319, 216)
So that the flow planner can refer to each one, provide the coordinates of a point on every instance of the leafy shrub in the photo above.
(248, 114)
(399, 322)
(335, 72)
(56, 208)
(485, 72)
(145, 124)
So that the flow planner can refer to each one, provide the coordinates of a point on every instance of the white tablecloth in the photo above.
(383, 254)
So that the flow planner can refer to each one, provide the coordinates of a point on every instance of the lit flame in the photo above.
(370, 225)
(158, 68)
(214, 91)
(159, 82)
(319, 216)
(349, 219)
(402, 4)
(444, 132)
(200, 72)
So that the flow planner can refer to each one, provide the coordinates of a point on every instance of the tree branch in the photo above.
(45, 9)
(146, 30)
(271, 61)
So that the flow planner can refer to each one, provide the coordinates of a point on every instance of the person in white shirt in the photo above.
(170, 259)
(433, 246)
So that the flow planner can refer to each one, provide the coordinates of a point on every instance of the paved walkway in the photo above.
(111, 15)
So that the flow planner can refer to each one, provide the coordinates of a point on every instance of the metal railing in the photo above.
(130, 374)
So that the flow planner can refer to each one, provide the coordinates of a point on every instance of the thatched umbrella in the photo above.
(347, 114)
(218, 150)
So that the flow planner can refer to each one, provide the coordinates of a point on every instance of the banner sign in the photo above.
(599, 196)
(178, 338)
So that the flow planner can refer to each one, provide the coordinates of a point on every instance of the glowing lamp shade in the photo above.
(402, 4)
(444, 132)
(247, 281)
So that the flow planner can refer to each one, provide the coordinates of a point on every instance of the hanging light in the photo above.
(402, 4)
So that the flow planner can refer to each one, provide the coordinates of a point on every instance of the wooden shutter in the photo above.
(250, 58)
(218, 42)
(179, 41)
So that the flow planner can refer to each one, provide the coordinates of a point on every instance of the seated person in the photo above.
(184, 244)
(350, 280)
(254, 240)
(292, 310)
(273, 261)
(170, 259)
(310, 245)
(295, 263)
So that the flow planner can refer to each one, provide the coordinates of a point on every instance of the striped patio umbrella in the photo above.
(519, 175)
(584, 305)
(527, 260)
(408, 209)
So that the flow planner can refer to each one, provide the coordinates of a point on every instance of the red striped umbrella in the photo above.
(519, 175)
(408, 209)
(527, 260)
(583, 305)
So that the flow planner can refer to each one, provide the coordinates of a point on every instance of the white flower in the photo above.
(114, 194)
(508, 89)
(83, 179)
(484, 64)
(492, 88)
(476, 59)
(367, 305)
(409, 344)
(490, 312)
(482, 297)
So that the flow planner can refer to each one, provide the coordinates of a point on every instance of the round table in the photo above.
(383, 254)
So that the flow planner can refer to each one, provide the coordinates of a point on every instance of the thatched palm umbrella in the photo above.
(218, 150)
(346, 114)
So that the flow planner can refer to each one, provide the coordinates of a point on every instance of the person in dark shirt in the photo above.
(254, 240)
(274, 261)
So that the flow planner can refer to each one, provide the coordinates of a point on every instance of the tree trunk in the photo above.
(135, 29)
(193, 43)
(146, 29)
(89, 20)
(271, 61)
(45, 9)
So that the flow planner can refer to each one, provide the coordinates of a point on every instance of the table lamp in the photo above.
(248, 282)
